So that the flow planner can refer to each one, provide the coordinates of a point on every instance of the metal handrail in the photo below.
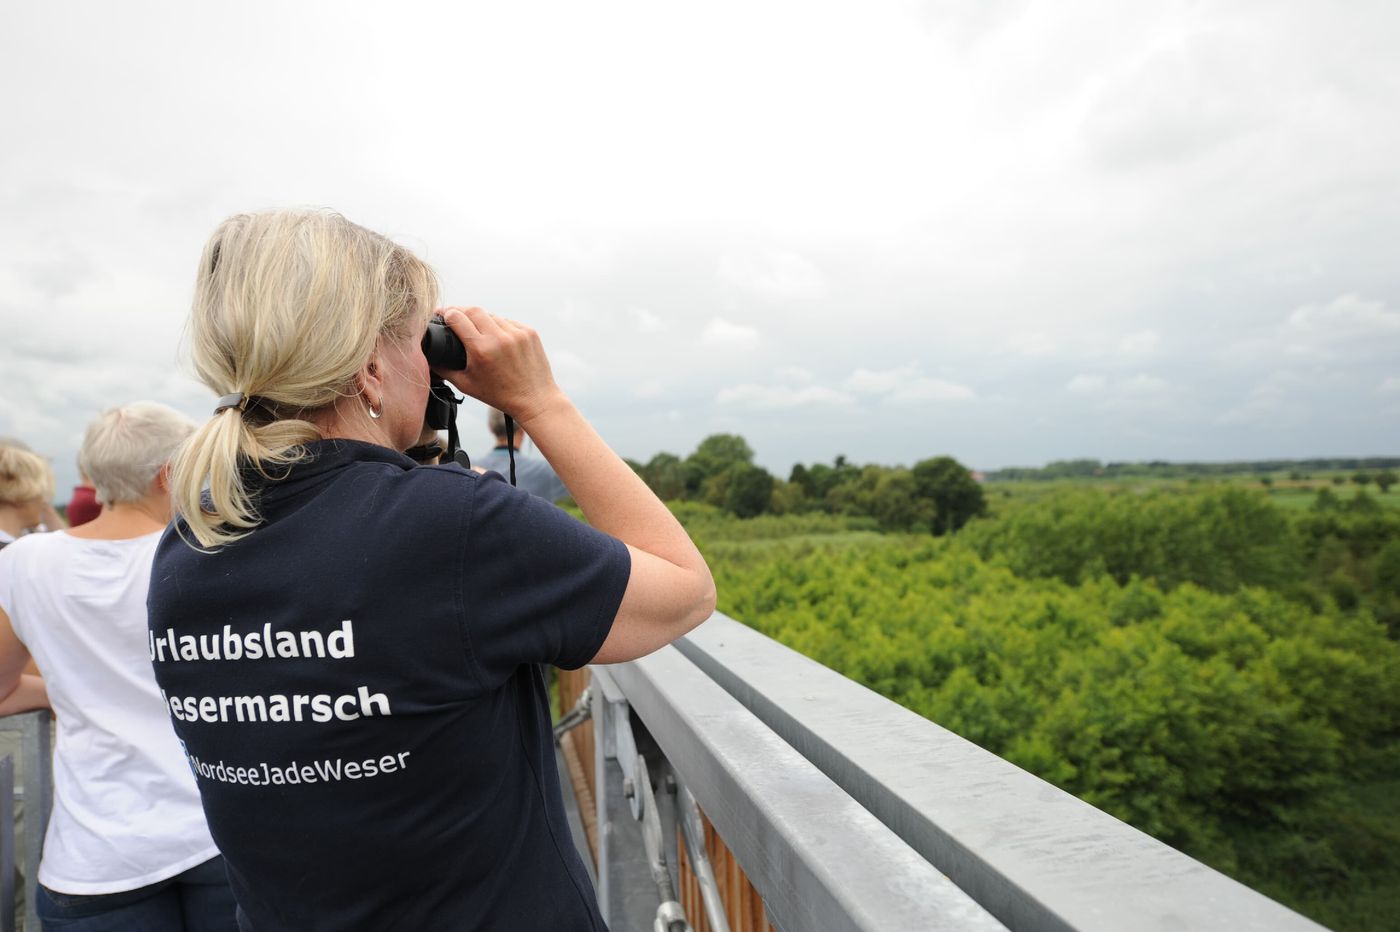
(818, 859)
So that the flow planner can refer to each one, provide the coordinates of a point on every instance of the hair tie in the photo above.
(234, 400)
(243, 403)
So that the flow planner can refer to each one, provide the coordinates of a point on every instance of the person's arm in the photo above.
(29, 695)
(13, 656)
(51, 519)
(670, 589)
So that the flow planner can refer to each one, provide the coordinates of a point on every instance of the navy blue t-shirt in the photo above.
(359, 687)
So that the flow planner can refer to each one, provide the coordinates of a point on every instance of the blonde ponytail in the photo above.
(288, 307)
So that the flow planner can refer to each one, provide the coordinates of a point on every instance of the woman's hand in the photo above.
(506, 364)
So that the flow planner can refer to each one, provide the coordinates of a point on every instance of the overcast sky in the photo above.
(1009, 231)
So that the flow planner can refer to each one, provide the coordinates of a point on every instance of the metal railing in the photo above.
(846, 811)
(33, 791)
(663, 731)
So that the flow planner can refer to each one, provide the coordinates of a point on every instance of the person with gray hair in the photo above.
(533, 475)
(127, 844)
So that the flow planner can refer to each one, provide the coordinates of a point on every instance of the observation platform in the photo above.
(728, 784)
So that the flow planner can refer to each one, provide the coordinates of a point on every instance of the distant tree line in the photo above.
(1342, 553)
(937, 495)
(1161, 469)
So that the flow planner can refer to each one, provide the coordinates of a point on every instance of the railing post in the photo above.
(603, 750)
(34, 787)
(627, 889)
(699, 860)
(36, 751)
(7, 844)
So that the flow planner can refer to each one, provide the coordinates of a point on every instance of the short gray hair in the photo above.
(125, 448)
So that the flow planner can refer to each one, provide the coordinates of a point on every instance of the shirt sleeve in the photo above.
(6, 584)
(540, 585)
(9, 571)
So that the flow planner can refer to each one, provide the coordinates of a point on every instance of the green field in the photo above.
(1213, 661)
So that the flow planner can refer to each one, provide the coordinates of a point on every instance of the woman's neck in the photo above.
(10, 520)
(125, 520)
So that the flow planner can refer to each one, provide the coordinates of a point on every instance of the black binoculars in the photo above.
(441, 346)
(445, 352)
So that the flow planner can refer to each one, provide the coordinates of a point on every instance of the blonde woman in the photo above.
(26, 489)
(127, 845)
(350, 646)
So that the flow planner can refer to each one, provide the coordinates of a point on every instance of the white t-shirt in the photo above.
(126, 810)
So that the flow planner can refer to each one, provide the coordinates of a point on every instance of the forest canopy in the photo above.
(1211, 666)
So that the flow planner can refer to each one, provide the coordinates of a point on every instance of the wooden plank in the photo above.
(588, 813)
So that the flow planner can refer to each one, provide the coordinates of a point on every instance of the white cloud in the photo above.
(870, 382)
(1134, 392)
(904, 385)
(1344, 324)
(574, 372)
(648, 321)
(1034, 343)
(1267, 401)
(966, 23)
(650, 388)
(780, 396)
(1143, 385)
(794, 374)
(1138, 344)
(926, 389)
(1390, 386)
(722, 333)
(590, 255)
(1184, 100)
(782, 275)
(575, 311)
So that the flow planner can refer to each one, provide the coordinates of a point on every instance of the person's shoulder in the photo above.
(443, 476)
(29, 545)
(31, 555)
(434, 499)
(392, 479)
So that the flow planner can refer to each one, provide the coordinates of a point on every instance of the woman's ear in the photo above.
(369, 380)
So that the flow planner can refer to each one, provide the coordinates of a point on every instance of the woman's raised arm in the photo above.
(670, 589)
